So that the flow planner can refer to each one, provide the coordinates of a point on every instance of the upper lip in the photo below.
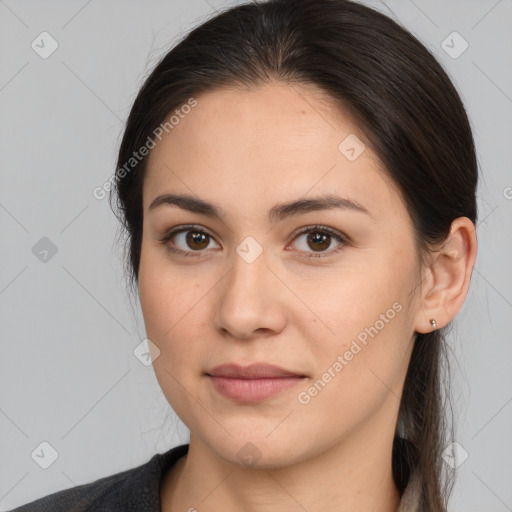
(252, 371)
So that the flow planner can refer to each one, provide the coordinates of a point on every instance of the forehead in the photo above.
(277, 141)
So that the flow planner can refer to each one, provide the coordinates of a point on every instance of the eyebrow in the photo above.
(277, 213)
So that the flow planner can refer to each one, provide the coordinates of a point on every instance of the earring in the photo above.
(433, 324)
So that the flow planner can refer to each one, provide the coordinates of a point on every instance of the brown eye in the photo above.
(318, 241)
(187, 241)
(197, 240)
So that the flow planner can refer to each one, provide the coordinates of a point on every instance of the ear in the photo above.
(446, 280)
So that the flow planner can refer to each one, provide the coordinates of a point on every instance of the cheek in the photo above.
(367, 344)
(173, 306)
(357, 376)
(168, 313)
(164, 295)
(347, 304)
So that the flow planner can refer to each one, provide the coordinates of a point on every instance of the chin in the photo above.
(256, 452)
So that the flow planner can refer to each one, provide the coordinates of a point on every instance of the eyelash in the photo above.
(317, 229)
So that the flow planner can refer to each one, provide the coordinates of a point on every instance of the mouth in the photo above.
(253, 383)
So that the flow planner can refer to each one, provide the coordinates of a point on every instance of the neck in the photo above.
(346, 477)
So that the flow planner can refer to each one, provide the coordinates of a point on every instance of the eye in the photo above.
(187, 241)
(190, 241)
(319, 239)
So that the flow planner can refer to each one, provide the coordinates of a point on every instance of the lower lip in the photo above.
(252, 390)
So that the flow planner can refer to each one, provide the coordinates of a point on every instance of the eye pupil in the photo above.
(318, 240)
(194, 237)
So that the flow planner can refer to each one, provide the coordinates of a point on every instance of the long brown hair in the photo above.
(411, 114)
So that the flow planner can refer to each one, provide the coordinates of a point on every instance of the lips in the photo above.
(253, 383)
(253, 371)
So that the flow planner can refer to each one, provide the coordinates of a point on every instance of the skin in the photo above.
(247, 150)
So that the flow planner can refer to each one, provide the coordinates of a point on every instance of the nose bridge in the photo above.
(247, 299)
(249, 271)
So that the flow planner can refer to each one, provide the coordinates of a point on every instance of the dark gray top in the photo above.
(133, 490)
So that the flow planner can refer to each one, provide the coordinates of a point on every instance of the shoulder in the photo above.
(92, 496)
(136, 489)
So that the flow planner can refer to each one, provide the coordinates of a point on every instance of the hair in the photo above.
(404, 103)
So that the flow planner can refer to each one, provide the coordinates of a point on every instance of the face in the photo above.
(326, 293)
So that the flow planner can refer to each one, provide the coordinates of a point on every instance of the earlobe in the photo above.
(447, 279)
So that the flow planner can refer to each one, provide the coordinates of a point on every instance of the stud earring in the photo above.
(433, 324)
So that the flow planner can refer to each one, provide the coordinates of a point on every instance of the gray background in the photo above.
(68, 374)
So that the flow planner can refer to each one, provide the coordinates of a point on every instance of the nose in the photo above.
(250, 300)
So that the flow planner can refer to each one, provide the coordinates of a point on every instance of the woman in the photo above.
(297, 182)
